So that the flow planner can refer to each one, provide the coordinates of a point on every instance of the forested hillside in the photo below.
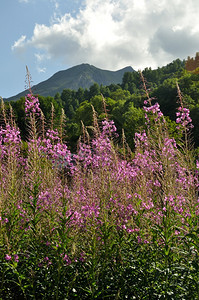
(123, 102)
(83, 75)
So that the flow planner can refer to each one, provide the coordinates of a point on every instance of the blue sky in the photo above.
(52, 35)
(17, 19)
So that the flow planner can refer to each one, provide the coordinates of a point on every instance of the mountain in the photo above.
(83, 75)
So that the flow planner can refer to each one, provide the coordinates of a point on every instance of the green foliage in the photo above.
(122, 101)
(94, 90)
(19, 112)
(133, 120)
(84, 113)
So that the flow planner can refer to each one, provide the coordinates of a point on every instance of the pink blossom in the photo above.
(8, 257)
(16, 257)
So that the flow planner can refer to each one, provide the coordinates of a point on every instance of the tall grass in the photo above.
(104, 223)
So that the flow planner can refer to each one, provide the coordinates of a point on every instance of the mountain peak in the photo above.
(83, 75)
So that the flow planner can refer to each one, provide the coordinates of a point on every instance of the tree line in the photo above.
(123, 102)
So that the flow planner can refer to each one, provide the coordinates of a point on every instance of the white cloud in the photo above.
(23, 1)
(56, 4)
(41, 57)
(41, 70)
(20, 44)
(115, 33)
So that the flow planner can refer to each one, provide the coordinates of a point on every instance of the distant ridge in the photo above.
(83, 75)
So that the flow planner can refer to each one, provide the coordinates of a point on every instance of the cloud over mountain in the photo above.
(115, 33)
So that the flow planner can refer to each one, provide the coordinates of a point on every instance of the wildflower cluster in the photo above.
(152, 109)
(183, 118)
(10, 140)
(99, 211)
(56, 151)
(32, 105)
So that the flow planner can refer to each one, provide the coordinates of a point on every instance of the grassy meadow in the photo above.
(105, 222)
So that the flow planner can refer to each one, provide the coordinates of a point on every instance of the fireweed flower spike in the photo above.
(54, 149)
(183, 114)
(183, 118)
(32, 105)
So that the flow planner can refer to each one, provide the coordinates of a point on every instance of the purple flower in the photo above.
(16, 258)
(8, 257)
(183, 118)
(197, 164)
(67, 259)
(32, 105)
